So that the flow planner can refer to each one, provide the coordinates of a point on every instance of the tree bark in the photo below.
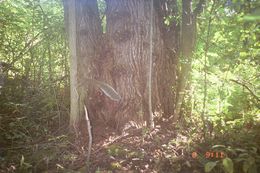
(70, 16)
(89, 35)
(84, 27)
(120, 57)
(167, 56)
(128, 38)
(187, 47)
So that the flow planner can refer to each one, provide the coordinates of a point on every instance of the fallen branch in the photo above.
(90, 136)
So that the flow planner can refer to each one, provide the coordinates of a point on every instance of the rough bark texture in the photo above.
(168, 56)
(89, 35)
(84, 51)
(70, 17)
(128, 39)
(120, 58)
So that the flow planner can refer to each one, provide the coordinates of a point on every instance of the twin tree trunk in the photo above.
(119, 57)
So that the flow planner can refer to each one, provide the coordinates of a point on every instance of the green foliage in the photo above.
(115, 150)
(232, 73)
(230, 65)
(102, 8)
(240, 159)
(34, 98)
(33, 47)
(209, 166)
(228, 165)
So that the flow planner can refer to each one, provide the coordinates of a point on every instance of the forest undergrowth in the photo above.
(37, 145)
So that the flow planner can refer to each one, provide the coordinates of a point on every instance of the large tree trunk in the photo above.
(128, 40)
(128, 30)
(120, 58)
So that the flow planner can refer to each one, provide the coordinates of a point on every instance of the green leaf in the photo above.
(233, 151)
(240, 149)
(22, 161)
(245, 155)
(209, 166)
(252, 169)
(213, 54)
(218, 146)
(239, 159)
(246, 166)
(251, 18)
(249, 165)
(254, 150)
(188, 164)
(228, 165)
(243, 54)
(251, 160)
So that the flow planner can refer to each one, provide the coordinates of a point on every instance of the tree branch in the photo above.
(151, 121)
(26, 48)
(244, 85)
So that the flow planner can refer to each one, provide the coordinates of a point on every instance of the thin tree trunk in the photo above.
(205, 92)
(150, 122)
(70, 13)
(85, 31)
(187, 47)
(166, 50)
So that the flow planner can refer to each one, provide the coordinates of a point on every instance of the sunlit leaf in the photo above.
(246, 166)
(252, 18)
(228, 165)
(218, 146)
(209, 166)
(22, 161)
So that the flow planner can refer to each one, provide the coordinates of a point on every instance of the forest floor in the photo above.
(168, 148)
(141, 150)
